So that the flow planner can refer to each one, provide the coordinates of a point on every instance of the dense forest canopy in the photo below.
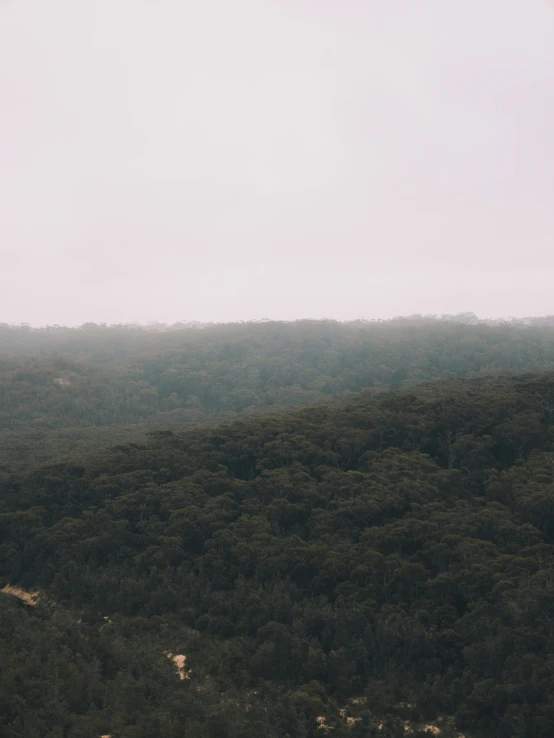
(361, 568)
(67, 391)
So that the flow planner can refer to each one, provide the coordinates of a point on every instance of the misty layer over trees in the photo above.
(364, 547)
(69, 391)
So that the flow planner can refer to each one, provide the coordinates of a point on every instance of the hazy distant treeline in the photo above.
(467, 318)
(66, 390)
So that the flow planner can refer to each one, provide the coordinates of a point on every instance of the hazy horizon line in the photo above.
(467, 317)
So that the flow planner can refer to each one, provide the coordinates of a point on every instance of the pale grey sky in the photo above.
(215, 160)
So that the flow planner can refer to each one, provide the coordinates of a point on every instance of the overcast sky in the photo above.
(215, 160)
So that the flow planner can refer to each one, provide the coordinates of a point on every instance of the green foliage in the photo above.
(385, 549)
(66, 392)
(64, 677)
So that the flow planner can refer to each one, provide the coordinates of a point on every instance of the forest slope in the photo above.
(66, 391)
(382, 552)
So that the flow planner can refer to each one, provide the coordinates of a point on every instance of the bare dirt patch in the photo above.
(62, 381)
(29, 598)
(180, 661)
(322, 724)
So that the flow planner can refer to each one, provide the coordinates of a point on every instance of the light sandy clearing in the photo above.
(180, 662)
(431, 728)
(350, 721)
(29, 598)
(322, 724)
(434, 729)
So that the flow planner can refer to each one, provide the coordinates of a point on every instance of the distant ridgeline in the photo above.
(64, 392)
(361, 568)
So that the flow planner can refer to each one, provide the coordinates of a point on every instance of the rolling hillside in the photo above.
(381, 561)
(65, 392)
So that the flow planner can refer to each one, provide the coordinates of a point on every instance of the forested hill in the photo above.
(366, 568)
(67, 391)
